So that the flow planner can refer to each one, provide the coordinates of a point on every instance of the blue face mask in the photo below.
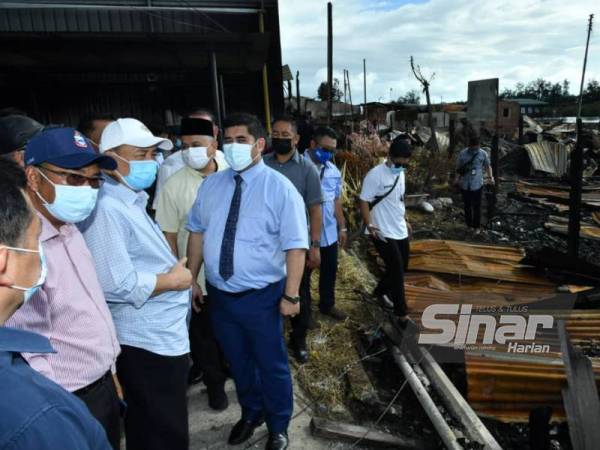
(397, 170)
(71, 204)
(141, 173)
(30, 291)
(238, 156)
(323, 155)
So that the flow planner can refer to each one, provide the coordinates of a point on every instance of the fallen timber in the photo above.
(416, 363)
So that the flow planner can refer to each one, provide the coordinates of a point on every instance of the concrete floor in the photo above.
(210, 430)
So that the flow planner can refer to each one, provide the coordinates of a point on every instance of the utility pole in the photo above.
(350, 98)
(329, 62)
(298, 91)
(365, 86)
(576, 175)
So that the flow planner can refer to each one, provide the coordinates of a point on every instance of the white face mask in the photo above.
(238, 156)
(196, 157)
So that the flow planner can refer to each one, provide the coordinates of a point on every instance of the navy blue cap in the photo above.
(66, 148)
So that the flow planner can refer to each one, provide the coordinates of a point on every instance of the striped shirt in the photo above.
(69, 310)
(129, 251)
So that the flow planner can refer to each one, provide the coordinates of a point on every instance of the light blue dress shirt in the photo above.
(473, 179)
(331, 188)
(129, 251)
(272, 220)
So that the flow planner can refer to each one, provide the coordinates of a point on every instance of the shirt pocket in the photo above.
(250, 229)
(329, 187)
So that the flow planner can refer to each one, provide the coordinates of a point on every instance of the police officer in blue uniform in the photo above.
(248, 225)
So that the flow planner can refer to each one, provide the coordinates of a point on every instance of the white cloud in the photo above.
(459, 40)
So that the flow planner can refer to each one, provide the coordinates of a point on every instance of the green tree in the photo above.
(412, 97)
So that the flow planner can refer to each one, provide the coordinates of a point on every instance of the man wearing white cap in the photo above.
(147, 289)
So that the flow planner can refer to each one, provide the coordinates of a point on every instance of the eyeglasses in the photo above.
(75, 179)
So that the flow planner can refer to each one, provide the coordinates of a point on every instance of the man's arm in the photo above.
(316, 220)
(294, 261)
(195, 260)
(341, 222)
(172, 240)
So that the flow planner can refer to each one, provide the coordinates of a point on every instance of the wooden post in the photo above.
(521, 138)
(451, 136)
(298, 91)
(265, 79)
(365, 86)
(329, 62)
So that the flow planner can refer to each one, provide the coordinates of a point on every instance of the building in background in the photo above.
(150, 59)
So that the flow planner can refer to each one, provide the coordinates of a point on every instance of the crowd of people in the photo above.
(113, 302)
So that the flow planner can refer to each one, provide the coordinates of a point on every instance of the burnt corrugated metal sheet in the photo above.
(549, 157)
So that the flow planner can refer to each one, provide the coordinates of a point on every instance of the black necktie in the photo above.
(228, 244)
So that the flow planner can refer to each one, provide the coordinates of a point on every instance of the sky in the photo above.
(458, 40)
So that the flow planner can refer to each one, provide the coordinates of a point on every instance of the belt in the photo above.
(243, 293)
(89, 387)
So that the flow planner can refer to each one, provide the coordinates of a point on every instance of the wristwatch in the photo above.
(294, 300)
(315, 244)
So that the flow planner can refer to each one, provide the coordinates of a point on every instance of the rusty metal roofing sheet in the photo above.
(549, 157)
(461, 258)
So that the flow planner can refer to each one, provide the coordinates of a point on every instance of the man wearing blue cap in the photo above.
(147, 289)
(63, 178)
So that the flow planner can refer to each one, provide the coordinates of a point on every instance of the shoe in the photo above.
(195, 376)
(217, 399)
(277, 441)
(242, 431)
(300, 355)
(335, 314)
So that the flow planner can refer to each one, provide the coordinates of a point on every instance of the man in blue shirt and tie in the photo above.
(248, 225)
(35, 413)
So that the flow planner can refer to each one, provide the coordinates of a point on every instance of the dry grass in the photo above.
(331, 346)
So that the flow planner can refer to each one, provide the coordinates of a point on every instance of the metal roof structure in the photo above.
(160, 46)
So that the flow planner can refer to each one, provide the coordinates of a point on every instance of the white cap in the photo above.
(130, 132)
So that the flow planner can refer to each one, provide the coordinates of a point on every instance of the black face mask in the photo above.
(281, 146)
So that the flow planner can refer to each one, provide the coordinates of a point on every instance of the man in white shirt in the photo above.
(174, 202)
(383, 210)
(174, 162)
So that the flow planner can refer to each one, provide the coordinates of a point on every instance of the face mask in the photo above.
(281, 146)
(141, 173)
(238, 156)
(397, 170)
(43, 272)
(196, 157)
(72, 204)
(323, 155)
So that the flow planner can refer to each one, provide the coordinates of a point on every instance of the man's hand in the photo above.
(197, 297)
(491, 181)
(314, 258)
(180, 276)
(374, 231)
(118, 387)
(410, 230)
(288, 308)
(343, 238)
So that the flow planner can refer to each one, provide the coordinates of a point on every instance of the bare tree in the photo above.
(416, 69)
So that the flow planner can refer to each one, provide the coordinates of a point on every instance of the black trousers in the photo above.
(155, 392)
(472, 202)
(301, 321)
(103, 402)
(395, 255)
(328, 270)
(205, 350)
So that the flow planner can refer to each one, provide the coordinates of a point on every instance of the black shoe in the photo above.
(335, 314)
(242, 431)
(217, 399)
(195, 376)
(277, 441)
(299, 352)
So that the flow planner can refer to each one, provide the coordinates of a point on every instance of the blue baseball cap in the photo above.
(66, 148)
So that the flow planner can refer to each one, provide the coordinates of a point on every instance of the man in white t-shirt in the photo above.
(382, 208)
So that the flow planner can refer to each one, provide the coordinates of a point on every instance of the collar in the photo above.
(273, 157)
(251, 173)
(18, 341)
(49, 231)
(113, 188)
